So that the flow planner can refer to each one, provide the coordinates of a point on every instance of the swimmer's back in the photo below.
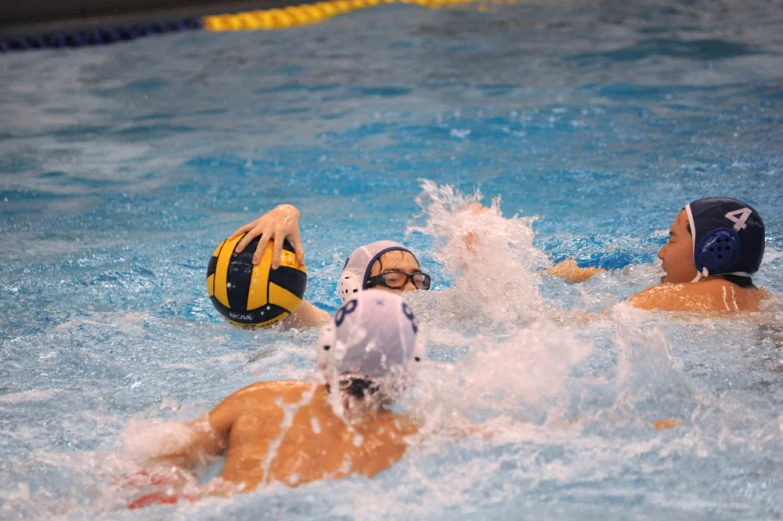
(707, 295)
(287, 431)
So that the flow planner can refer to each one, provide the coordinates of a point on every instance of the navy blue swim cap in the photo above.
(728, 237)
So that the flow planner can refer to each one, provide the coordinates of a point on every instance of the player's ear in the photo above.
(348, 284)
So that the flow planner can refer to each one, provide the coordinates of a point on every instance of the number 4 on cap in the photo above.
(738, 217)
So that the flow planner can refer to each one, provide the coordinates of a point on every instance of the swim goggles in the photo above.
(396, 279)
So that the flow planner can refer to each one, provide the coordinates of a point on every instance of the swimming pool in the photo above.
(122, 168)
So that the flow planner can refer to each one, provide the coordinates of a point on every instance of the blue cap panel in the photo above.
(728, 236)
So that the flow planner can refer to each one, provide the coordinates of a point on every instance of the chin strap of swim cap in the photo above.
(691, 222)
(701, 274)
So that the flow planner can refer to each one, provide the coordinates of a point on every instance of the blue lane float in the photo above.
(103, 36)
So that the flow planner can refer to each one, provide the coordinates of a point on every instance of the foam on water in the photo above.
(513, 404)
(533, 385)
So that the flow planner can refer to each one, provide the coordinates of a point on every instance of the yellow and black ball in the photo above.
(255, 295)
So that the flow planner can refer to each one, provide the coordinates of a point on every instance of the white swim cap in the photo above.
(372, 337)
(356, 272)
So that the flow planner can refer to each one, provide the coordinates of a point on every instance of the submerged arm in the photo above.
(199, 441)
(201, 438)
(570, 271)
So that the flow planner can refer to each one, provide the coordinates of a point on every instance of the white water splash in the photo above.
(650, 382)
(147, 439)
(519, 377)
(492, 258)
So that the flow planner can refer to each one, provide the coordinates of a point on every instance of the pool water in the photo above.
(122, 167)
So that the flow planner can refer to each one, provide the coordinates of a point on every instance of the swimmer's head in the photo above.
(711, 237)
(386, 265)
(371, 347)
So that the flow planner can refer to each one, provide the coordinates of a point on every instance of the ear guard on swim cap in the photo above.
(419, 350)
(718, 252)
(348, 284)
(327, 337)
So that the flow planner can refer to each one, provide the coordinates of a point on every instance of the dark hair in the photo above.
(358, 388)
(380, 263)
(739, 280)
(402, 254)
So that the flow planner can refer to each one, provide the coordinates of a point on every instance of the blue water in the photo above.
(121, 168)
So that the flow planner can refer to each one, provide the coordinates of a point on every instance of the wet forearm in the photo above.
(306, 315)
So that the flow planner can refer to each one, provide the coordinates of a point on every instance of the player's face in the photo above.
(677, 253)
(396, 260)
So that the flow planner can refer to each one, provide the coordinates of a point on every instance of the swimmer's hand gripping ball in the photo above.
(255, 295)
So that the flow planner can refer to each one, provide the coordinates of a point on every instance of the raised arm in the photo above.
(277, 224)
(470, 238)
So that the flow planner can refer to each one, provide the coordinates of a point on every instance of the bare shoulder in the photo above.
(384, 443)
(276, 387)
(707, 295)
(259, 397)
